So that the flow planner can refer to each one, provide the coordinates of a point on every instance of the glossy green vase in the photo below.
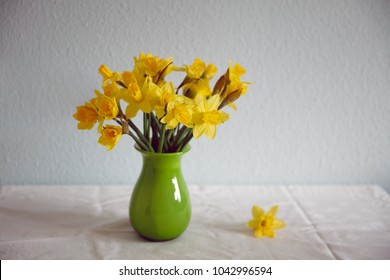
(160, 207)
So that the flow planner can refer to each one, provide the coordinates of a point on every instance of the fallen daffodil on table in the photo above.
(263, 223)
(172, 116)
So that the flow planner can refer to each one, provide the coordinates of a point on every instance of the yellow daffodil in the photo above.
(110, 135)
(263, 223)
(233, 88)
(235, 85)
(108, 75)
(166, 94)
(87, 116)
(111, 89)
(106, 106)
(199, 70)
(198, 88)
(197, 81)
(236, 71)
(152, 66)
(178, 111)
(233, 91)
(128, 78)
(144, 98)
(207, 117)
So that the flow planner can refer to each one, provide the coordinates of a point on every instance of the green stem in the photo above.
(186, 140)
(156, 121)
(169, 138)
(141, 136)
(155, 131)
(162, 139)
(139, 142)
(147, 119)
(145, 125)
(118, 121)
(149, 124)
(166, 147)
(179, 137)
(120, 112)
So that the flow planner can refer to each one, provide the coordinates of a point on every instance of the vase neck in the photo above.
(162, 161)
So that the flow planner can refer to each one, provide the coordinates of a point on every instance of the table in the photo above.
(91, 222)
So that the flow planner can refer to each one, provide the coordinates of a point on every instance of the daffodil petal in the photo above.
(252, 224)
(213, 102)
(268, 232)
(172, 123)
(199, 130)
(257, 212)
(272, 211)
(131, 111)
(278, 224)
(258, 233)
(210, 131)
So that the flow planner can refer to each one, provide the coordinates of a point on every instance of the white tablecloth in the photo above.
(91, 222)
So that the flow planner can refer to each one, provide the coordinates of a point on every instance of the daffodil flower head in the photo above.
(128, 78)
(111, 89)
(207, 117)
(166, 94)
(236, 71)
(141, 98)
(108, 75)
(233, 87)
(110, 135)
(263, 223)
(87, 116)
(106, 106)
(105, 72)
(200, 87)
(178, 111)
(152, 66)
(199, 70)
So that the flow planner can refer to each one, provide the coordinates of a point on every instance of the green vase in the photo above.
(160, 206)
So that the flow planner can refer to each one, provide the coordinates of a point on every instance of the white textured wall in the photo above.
(318, 111)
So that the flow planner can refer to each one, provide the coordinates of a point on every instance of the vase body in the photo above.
(160, 207)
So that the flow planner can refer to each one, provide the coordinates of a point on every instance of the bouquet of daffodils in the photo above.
(172, 116)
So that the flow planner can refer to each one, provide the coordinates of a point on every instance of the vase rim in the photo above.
(185, 150)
